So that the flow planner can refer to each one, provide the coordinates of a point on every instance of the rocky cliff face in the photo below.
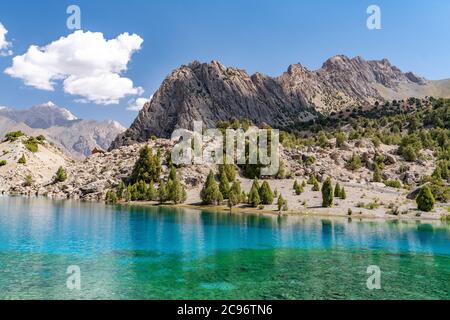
(75, 136)
(211, 92)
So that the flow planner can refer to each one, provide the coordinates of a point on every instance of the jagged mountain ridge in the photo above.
(75, 136)
(211, 92)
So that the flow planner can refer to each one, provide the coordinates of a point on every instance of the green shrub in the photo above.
(13, 136)
(393, 184)
(340, 139)
(31, 144)
(327, 193)
(60, 176)
(425, 200)
(377, 173)
(409, 154)
(2, 163)
(354, 163)
(22, 160)
(28, 181)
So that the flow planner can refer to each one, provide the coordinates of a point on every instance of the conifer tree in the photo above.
(60, 176)
(315, 183)
(224, 184)
(162, 192)
(425, 199)
(210, 193)
(147, 167)
(141, 188)
(253, 197)
(266, 194)
(377, 173)
(343, 195)
(337, 190)
(280, 202)
(327, 193)
(120, 189)
(151, 192)
(233, 199)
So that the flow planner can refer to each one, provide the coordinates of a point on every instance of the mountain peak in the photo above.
(211, 92)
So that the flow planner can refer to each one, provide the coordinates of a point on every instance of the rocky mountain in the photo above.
(40, 166)
(75, 136)
(41, 117)
(211, 92)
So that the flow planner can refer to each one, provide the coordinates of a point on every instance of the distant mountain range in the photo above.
(212, 92)
(75, 136)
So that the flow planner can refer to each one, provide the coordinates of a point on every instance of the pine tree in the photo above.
(233, 199)
(315, 183)
(151, 192)
(253, 197)
(162, 192)
(337, 190)
(281, 171)
(111, 197)
(327, 193)
(147, 167)
(343, 195)
(172, 173)
(280, 202)
(224, 184)
(377, 173)
(236, 187)
(298, 188)
(210, 193)
(266, 194)
(120, 189)
(175, 190)
(228, 169)
(425, 199)
(132, 189)
(141, 188)
(60, 176)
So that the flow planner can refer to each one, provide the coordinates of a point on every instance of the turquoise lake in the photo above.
(164, 253)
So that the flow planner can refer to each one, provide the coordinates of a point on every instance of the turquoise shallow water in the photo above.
(162, 253)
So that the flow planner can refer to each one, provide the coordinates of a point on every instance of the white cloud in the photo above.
(4, 45)
(88, 65)
(137, 104)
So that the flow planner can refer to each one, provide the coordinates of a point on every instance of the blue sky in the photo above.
(256, 35)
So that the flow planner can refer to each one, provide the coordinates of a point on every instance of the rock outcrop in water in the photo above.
(211, 92)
